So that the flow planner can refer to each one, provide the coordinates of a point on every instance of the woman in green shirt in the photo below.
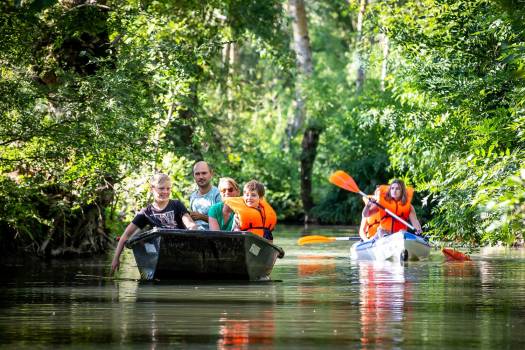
(220, 216)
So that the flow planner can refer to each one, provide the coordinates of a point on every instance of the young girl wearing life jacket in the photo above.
(397, 198)
(370, 224)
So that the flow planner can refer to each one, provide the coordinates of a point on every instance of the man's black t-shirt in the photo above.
(169, 217)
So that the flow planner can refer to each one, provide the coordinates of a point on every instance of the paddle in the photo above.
(313, 239)
(345, 181)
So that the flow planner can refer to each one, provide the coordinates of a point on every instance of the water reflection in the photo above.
(325, 300)
(382, 298)
(460, 270)
(242, 331)
(232, 315)
(308, 265)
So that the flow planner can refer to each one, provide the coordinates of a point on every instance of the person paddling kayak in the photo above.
(397, 198)
(370, 224)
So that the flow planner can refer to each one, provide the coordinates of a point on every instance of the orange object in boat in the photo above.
(255, 220)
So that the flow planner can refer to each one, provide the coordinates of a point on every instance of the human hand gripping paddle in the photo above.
(345, 181)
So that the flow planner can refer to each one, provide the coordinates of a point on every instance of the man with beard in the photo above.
(205, 196)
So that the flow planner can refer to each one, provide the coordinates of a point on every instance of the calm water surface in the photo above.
(318, 299)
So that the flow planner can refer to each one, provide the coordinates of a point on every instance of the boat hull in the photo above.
(166, 254)
(397, 246)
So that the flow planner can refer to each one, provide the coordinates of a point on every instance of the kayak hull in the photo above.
(401, 245)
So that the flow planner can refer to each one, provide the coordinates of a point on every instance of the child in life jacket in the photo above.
(397, 198)
(370, 224)
(252, 212)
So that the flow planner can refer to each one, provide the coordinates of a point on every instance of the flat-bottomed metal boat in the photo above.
(167, 254)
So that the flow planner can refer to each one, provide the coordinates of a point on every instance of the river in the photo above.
(318, 298)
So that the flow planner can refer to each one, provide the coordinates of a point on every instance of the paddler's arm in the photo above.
(130, 229)
(370, 208)
(414, 221)
(189, 223)
(362, 232)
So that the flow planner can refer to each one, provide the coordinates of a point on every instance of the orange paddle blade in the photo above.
(345, 181)
(452, 254)
(315, 239)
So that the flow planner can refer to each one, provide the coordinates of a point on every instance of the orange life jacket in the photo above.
(389, 223)
(371, 223)
(252, 219)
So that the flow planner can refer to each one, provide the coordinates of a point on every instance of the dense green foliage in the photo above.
(94, 93)
(460, 74)
(97, 95)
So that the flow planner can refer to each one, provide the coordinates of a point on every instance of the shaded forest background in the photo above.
(95, 96)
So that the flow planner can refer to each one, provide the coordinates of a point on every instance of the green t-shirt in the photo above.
(216, 213)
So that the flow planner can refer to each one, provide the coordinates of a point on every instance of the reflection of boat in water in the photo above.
(383, 294)
(195, 255)
(401, 245)
(207, 314)
(311, 265)
(240, 332)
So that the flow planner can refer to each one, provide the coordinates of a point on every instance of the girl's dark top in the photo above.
(169, 217)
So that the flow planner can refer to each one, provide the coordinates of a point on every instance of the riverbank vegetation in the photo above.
(97, 95)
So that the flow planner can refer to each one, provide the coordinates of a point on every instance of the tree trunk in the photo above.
(233, 70)
(82, 232)
(310, 140)
(360, 79)
(303, 54)
(308, 154)
(383, 39)
(224, 81)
